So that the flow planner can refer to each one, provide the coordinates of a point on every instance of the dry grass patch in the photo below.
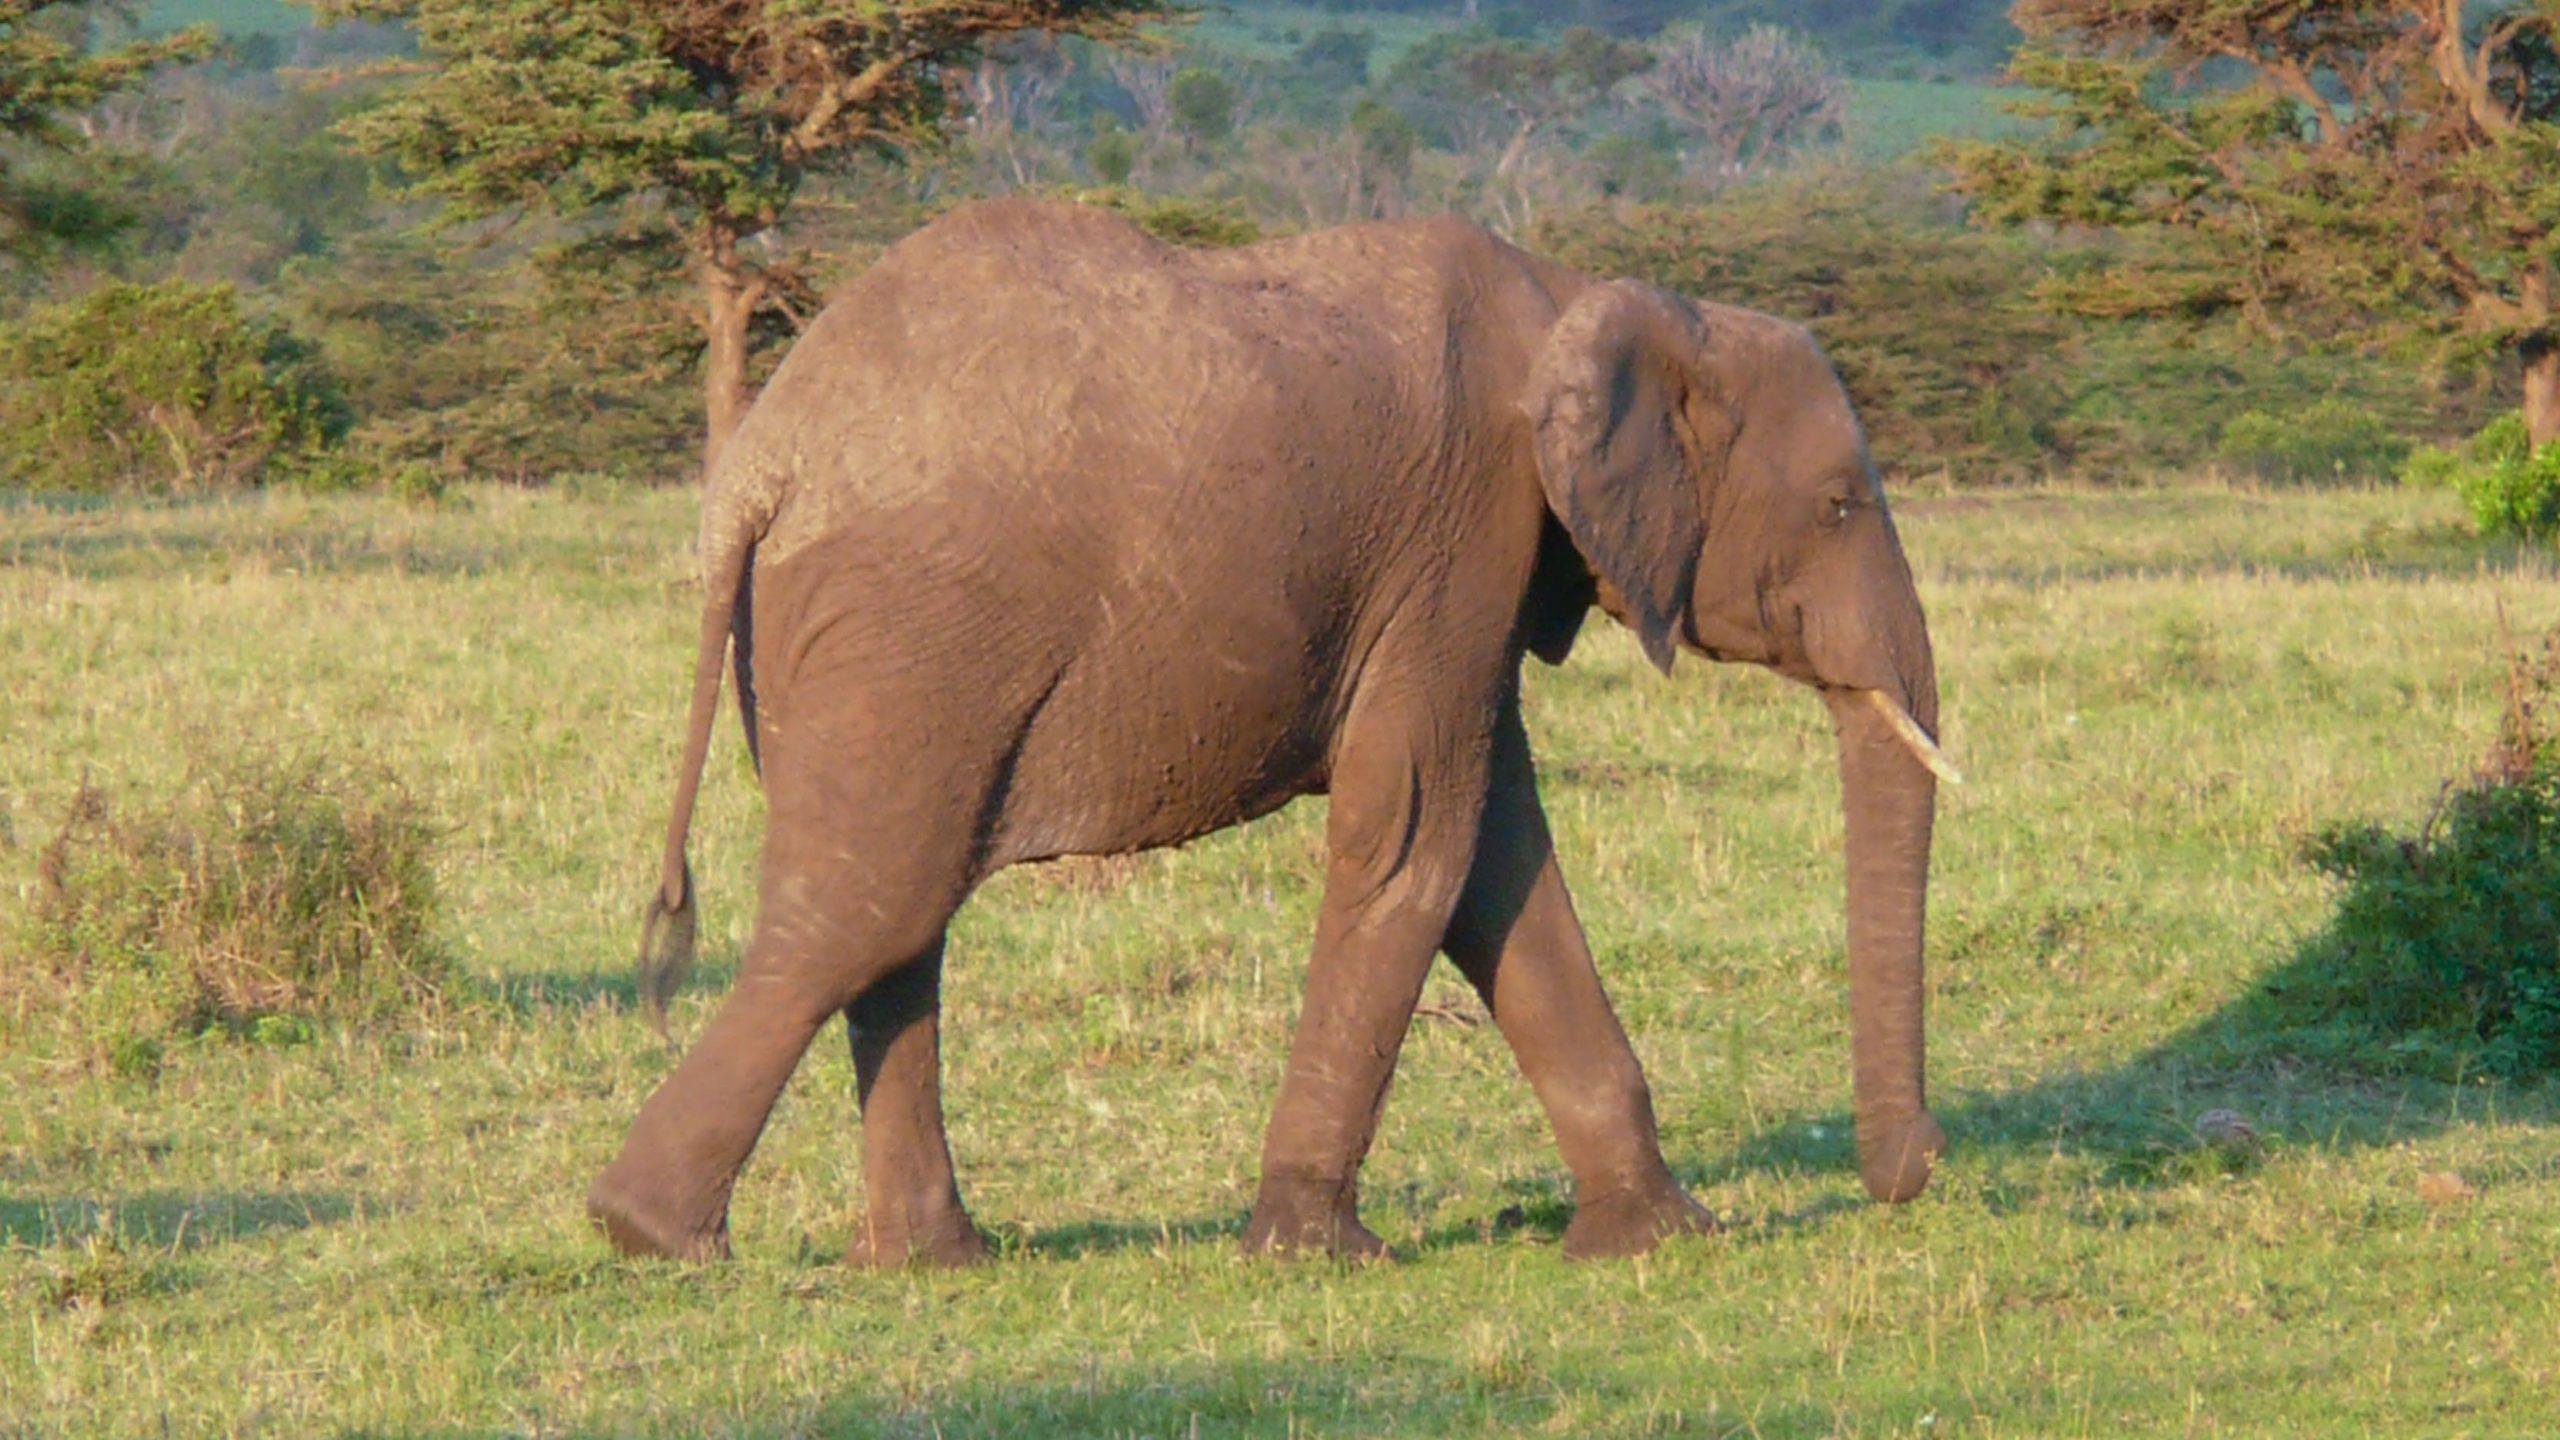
(264, 895)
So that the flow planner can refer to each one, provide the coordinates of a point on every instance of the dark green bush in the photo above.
(265, 895)
(2444, 954)
(577, 357)
(2144, 396)
(2328, 440)
(160, 388)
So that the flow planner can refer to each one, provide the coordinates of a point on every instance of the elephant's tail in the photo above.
(667, 937)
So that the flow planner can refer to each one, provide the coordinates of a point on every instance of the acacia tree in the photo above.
(1748, 101)
(718, 110)
(2392, 165)
(50, 72)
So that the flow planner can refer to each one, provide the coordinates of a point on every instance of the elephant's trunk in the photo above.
(1890, 796)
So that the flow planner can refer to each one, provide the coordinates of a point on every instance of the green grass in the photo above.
(2156, 694)
(1888, 119)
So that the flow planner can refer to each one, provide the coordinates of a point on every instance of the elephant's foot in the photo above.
(635, 1226)
(1632, 1221)
(1306, 1216)
(944, 1241)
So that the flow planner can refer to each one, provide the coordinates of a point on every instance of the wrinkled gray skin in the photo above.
(1049, 539)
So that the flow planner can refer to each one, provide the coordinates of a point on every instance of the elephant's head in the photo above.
(1710, 471)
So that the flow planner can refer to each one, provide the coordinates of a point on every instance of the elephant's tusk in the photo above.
(1913, 738)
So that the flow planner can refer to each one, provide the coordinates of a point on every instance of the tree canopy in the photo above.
(2387, 165)
(51, 70)
(719, 110)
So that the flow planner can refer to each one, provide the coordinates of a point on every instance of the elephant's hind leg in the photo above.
(913, 1213)
(861, 872)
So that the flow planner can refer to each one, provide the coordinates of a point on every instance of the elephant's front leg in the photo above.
(1405, 802)
(1516, 939)
(914, 1212)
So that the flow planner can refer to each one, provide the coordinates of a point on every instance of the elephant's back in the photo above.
(1035, 371)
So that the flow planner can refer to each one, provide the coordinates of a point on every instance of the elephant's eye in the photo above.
(1835, 507)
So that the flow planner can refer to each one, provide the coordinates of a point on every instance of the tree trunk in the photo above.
(1517, 151)
(730, 294)
(2542, 390)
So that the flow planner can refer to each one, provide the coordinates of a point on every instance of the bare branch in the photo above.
(1748, 100)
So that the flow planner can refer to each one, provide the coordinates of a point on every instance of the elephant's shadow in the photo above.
(2331, 1083)
(167, 1220)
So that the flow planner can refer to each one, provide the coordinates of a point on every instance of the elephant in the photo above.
(1049, 539)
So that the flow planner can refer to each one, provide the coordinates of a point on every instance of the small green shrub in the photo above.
(101, 1269)
(265, 895)
(2327, 440)
(1112, 155)
(2521, 497)
(2509, 487)
(2445, 949)
(414, 481)
(160, 388)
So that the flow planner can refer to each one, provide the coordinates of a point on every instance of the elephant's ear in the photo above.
(1626, 433)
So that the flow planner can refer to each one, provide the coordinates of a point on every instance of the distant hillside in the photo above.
(1895, 39)
(1910, 37)
(231, 17)
(1900, 95)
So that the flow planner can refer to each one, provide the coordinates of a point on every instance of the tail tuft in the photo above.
(666, 949)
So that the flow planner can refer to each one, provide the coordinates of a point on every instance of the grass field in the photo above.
(1888, 119)
(2156, 694)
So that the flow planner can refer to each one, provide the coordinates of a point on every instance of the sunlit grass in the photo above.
(2155, 694)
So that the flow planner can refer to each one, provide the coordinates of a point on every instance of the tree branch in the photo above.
(2465, 78)
(2296, 81)
(2498, 38)
(810, 135)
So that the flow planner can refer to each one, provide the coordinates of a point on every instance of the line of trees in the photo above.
(516, 236)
